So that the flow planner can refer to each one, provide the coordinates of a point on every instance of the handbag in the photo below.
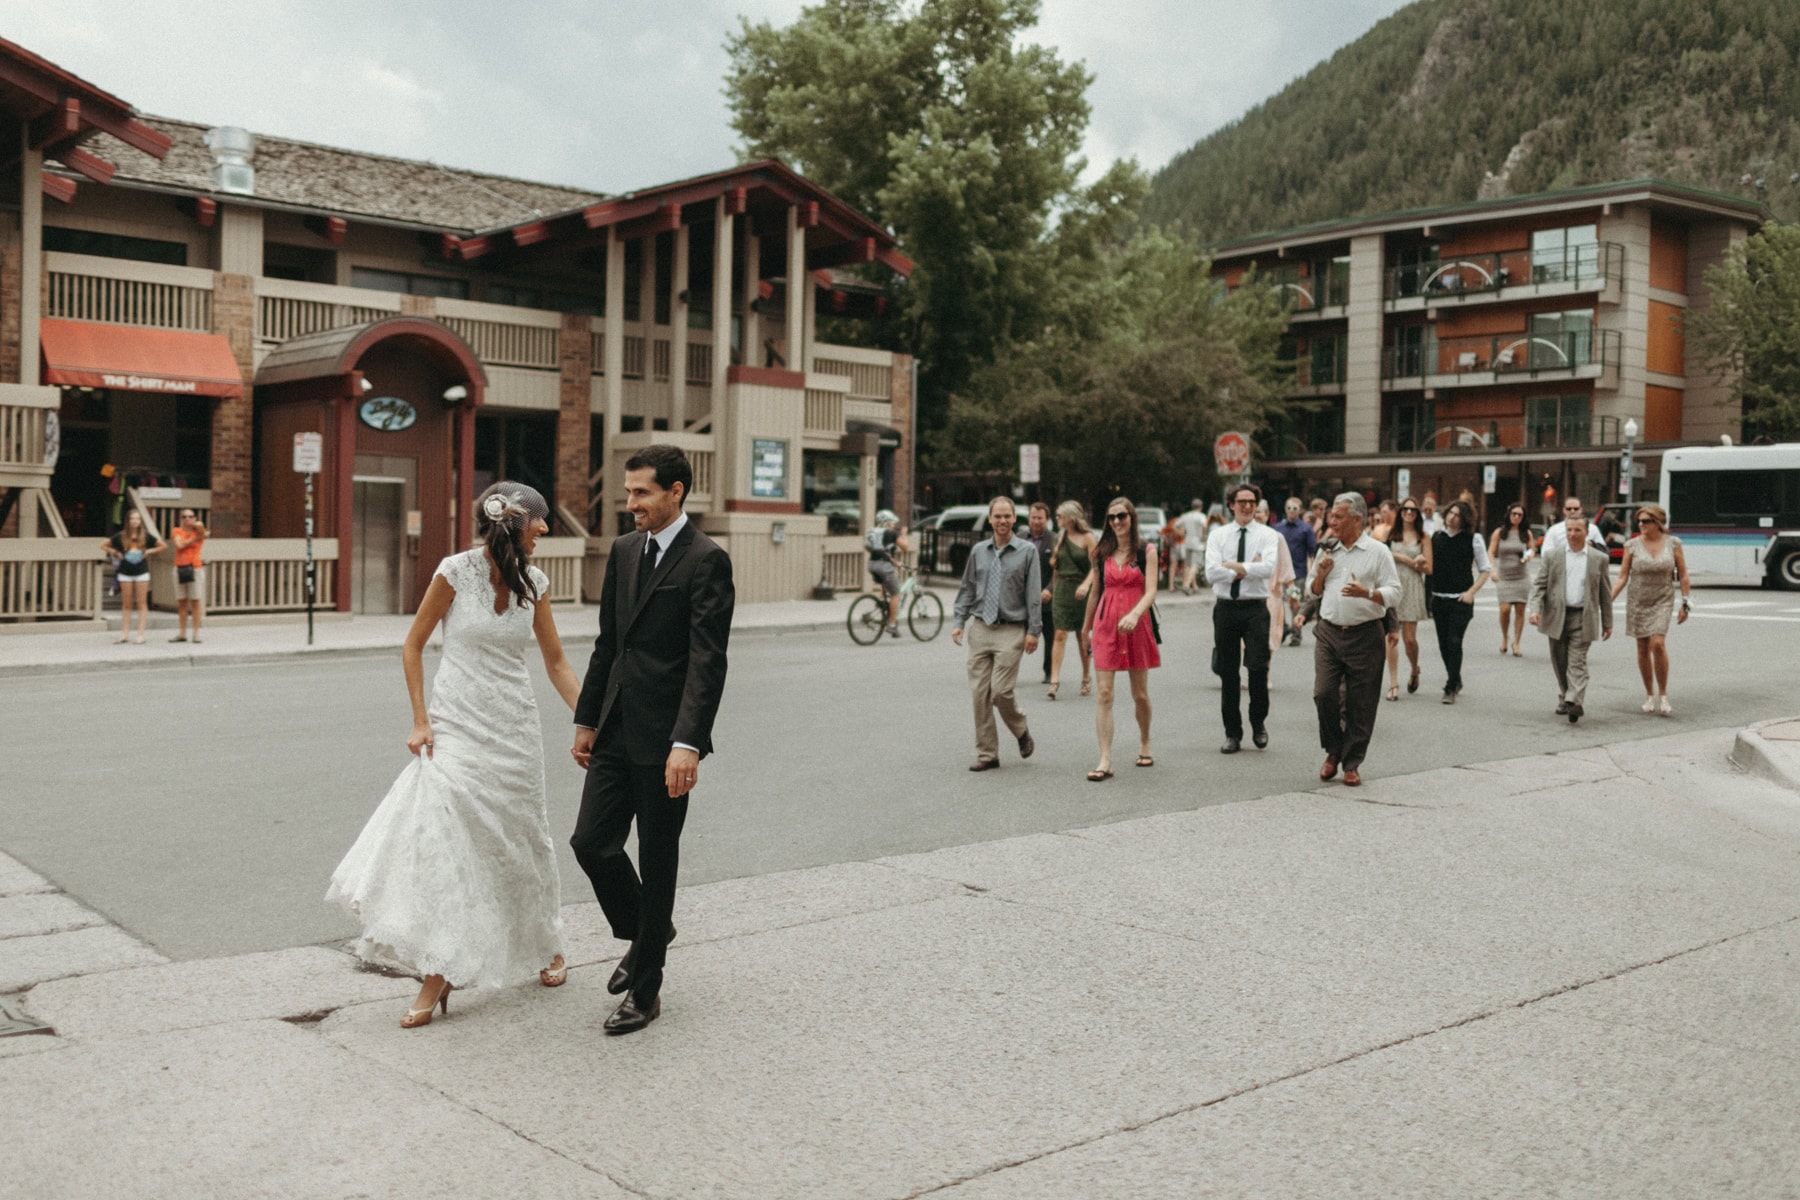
(184, 574)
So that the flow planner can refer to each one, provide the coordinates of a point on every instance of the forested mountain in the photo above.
(1450, 100)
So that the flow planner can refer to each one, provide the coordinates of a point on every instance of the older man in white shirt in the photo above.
(1356, 581)
(1557, 536)
(1240, 565)
(1571, 604)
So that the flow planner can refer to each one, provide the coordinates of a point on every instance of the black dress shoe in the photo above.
(1575, 713)
(984, 764)
(1562, 707)
(629, 1017)
(1259, 737)
(621, 976)
(1232, 745)
(1026, 746)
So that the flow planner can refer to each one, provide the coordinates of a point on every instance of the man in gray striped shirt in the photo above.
(1000, 604)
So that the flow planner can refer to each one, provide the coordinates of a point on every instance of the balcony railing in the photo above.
(1502, 356)
(50, 578)
(1314, 290)
(24, 417)
(1518, 272)
(1310, 376)
(1567, 431)
(82, 287)
(870, 371)
(290, 308)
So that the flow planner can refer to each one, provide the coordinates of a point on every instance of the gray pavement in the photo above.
(1570, 972)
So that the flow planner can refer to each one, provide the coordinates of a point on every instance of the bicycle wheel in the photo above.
(925, 616)
(867, 616)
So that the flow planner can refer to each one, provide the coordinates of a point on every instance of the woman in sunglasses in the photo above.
(1654, 566)
(1411, 548)
(1509, 547)
(1121, 588)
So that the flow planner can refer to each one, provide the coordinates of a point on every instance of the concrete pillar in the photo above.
(678, 331)
(753, 349)
(1629, 319)
(724, 458)
(233, 420)
(574, 356)
(31, 255)
(238, 240)
(866, 484)
(1362, 352)
(612, 478)
(796, 292)
(647, 322)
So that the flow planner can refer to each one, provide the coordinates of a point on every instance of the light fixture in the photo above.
(365, 385)
(1631, 429)
(455, 394)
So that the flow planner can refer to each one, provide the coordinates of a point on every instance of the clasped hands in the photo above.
(680, 773)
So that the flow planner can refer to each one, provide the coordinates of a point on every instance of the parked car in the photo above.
(1152, 522)
(943, 540)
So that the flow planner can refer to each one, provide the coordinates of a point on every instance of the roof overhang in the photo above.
(133, 358)
(62, 110)
(335, 353)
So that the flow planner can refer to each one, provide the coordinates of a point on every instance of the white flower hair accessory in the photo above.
(494, 507)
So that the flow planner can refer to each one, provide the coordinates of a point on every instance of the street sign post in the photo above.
(1490, 479)
(1403, 482)
(1028, 462)
(1625, 472)
(309, 456)
(1231, 455)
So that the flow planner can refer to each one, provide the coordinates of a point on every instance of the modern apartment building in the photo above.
(177, 303)
(1510, 348)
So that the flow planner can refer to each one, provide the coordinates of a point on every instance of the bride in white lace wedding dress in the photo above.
(454, 877)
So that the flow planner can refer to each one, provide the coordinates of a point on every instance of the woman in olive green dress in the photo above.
(1069, 563)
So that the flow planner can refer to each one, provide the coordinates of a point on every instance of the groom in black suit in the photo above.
(645, 717)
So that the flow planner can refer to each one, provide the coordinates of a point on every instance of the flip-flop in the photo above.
(1098, 776)
(1144, 760)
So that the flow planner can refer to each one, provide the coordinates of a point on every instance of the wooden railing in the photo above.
(507, 345)
(252, 575)
(871, 372)
(843, 569)
(51, 578)
(81, 287)
(824, 411)
(23, 414)
(161, 507)
(287, 308)
(699, 362)
(634, 356)
(561, 558)
(659, 360)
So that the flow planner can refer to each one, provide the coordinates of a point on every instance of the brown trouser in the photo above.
(994, 654)
(1347, 665)
(1568, 658)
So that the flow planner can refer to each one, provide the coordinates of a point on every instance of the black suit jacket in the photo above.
(659, 661)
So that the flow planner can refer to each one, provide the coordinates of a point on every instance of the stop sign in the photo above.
(1231, 454)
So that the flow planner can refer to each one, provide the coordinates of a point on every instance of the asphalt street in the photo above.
(203, 808)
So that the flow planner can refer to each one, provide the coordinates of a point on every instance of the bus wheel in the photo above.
(1787, 571)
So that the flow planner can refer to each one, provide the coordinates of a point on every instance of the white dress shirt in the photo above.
(1369, 563)
(1574, 577)
(663, 541)
(1556, 538)
(1262, 554)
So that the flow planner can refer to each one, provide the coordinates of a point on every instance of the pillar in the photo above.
(574, 356)
(612, 478)
(1362, 348)
(752, 277)
(796, 292)
(31, 255)
(233, 419)
(647, 320)
(678, 331)
(725, 459)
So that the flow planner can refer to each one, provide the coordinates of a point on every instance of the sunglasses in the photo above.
(1237, 503)
(1648, 521)
(1412, 511)
(1118, 516)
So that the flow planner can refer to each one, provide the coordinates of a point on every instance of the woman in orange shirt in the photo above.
(190, 574)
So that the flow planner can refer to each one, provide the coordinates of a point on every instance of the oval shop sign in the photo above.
(390, 414)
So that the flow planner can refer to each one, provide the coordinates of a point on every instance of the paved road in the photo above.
(203, 808)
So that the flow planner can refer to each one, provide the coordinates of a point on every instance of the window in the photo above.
(304, 263)
(1327, 359)
(113, 245)
(1559, 421)
(1337, 281)
(1558, 340)
(1412, 346)
(1565, 255)
(1746, 493)
(527, 297)
(1313, 427)
(1413, 425)
(412, 285)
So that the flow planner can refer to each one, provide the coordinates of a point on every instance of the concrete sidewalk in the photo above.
(264, 639)
(1570, 974)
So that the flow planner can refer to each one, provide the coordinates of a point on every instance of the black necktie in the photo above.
(1243, 539)
(647, 565)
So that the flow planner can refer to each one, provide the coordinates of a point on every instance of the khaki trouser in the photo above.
(994, 654)
(1568, 655)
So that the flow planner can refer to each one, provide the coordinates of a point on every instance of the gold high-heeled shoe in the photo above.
(415, 1017)
(556, 974)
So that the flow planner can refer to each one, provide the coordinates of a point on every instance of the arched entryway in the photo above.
(394, 403)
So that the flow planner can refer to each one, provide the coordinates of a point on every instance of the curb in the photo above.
(1776, 759)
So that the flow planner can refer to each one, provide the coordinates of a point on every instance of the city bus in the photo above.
(1736, 510)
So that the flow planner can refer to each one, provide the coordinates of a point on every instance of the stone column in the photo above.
(1362, 349)
(796, 292)
(574, 356)
(678, 332)
(753, 350)
(233, 420)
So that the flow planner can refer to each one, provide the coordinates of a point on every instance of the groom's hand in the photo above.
(583, 748)
(682, 772)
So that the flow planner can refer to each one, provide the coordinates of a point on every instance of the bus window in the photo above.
(1745, 494)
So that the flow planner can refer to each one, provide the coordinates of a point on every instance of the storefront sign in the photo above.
(390, 414)
(768, 469)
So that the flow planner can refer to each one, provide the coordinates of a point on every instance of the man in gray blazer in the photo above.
(1571, 604)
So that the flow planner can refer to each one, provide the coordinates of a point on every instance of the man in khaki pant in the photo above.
(1000, 604)
(1571, 604)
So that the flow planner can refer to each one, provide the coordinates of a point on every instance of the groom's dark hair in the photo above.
(671, 466)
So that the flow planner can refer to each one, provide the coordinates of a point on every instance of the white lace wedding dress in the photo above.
(455, 873)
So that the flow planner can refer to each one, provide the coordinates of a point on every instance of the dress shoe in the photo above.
(1329, 770)
(1352, 777)
(1232, 745)
(1575, 713)
(1449, 698)
(1562, 707)
(621, 976)
(629, 1017)
(1259, 737)
(1027, 747)
(984, 764)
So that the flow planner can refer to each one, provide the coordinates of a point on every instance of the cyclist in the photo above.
(885, 542)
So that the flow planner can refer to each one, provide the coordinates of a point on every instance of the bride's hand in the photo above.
(421, 737)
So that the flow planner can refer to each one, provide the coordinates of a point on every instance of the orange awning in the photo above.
(133, 359)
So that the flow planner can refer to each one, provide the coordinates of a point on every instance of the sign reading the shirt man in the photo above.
(768, 469)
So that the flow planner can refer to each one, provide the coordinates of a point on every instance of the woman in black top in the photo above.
(1459, 568)
(131, 549)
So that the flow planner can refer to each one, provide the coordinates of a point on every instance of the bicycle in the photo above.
(868, 614)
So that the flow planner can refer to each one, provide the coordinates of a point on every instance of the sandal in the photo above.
(1412, 685)
(556, 974)
(1393, 691)
(1086, 685)
(1051, 694)
(1096, 776)
(1144, 760)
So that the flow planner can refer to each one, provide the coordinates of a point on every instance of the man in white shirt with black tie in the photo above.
(1356, 582)
(1240, 565)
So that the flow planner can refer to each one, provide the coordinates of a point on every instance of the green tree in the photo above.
(1750, 333)
(1146, 360)
(942, 123)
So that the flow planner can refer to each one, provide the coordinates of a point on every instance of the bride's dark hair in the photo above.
(502, 515)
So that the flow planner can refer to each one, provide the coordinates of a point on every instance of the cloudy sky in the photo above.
(612, 95)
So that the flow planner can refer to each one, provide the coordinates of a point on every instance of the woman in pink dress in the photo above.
(1121, 589)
